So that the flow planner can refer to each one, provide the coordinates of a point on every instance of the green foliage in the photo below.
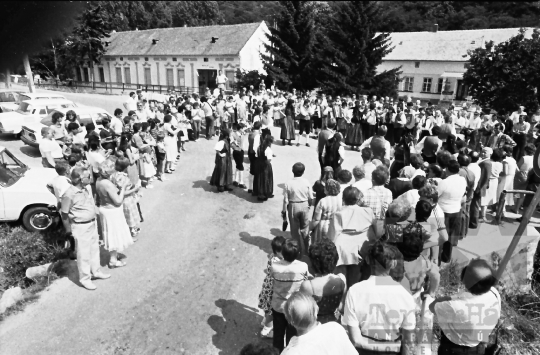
(292, 46)
(506, 75)
(20, 249)
(353, 50)
(249, 11)
(246, 78)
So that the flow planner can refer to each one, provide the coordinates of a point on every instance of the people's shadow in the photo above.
(262, 243)
(281, 186)
(244, 195)
(278, 232)
(237, 326)
(30, 151)
(205, 185)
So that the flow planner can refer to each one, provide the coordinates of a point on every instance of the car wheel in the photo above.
(38, 219)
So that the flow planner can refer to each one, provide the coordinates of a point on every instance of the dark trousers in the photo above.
(282, 329)
(196, 125)
(465, 219)
(371, 130)
(474, 211)
(398, 132)
(446, 347)
(521, 142)
(390, 132)
(209, 129)
(453, 223)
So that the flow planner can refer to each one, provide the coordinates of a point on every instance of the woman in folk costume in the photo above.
(354, 132)
(222, 176)
(263, 184)
(287, 128)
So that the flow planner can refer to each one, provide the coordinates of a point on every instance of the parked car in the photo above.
(9, 100)
(31, 132)
(23, 96)
(24, 195)
(30, 111)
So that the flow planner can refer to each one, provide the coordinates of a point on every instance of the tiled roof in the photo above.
(445, 45)
(182, 40)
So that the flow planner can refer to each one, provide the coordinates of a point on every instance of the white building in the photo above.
(183, 57)
(433, 62)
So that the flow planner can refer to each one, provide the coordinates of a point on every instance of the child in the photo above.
(265, 297)
(161, 153)
(148, 170)
(131, 196)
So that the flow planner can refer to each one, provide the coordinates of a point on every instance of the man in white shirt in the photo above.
(515, 115)
(221, 80)
(312, 337)
(361, 182)
(380, 312)
(474, 167)
(131, 103)
(452, 190)
(116, 122)
(59, 184)
(381, 133)
(468, 318)
(475, 123)
(50, 150)
(141, 112)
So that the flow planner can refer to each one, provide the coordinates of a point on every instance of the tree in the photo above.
(353, 51)
(244, 79)
(506, 75)
(292, 46)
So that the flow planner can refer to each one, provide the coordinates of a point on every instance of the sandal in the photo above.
(119, 263)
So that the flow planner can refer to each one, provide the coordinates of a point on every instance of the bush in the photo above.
(20, 250)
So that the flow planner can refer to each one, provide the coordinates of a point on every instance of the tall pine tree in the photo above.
(291, 48)
(352, 50)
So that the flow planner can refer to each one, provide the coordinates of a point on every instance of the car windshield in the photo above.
(9, 96)
(11, 169)
(25, 107)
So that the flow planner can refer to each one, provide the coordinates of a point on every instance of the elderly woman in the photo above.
(301, 311)
(326, 288)
(115, 230)
(350, 232)
(325, 211)
(318, 187)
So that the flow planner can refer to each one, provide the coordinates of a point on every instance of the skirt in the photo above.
(222, 175)
(490, 196)
(354, 135)
(131, 212)
(263, 183)
(116, 233)
(348, 246)
(171, 148)
(133, 174)
(287, 129)
(265, 296)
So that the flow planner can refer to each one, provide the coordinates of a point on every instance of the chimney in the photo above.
(435, 28)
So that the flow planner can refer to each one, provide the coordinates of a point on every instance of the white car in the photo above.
(31, 132)
(30, 111)
(11, 99)
(24, 195)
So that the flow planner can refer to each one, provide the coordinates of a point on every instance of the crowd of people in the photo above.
(366, 245)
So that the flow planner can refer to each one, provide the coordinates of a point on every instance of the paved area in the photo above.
(192, 279)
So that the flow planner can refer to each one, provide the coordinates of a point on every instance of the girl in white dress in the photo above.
(490, 197)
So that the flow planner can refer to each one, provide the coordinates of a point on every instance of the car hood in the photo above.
(35, 180)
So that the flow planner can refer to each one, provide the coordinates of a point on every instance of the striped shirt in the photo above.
(287, 279)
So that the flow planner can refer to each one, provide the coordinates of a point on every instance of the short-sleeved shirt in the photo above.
(79, 205)
(451, 191)
(380, 307)
(378, 198)
(297, 190)
(466, 318)
(324, 339)
(51, 146)
(288, 278)
(60, 184)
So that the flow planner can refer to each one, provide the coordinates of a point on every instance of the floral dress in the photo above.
(265, 297)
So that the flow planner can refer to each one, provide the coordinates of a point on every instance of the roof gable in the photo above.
(182, 40)
(445, 45)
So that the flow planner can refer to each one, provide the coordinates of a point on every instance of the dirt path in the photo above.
(192, 279)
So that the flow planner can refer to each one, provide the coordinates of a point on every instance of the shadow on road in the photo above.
(260, 242)
(239, 325)
(275, 232)
(204, 184)
(30, 151)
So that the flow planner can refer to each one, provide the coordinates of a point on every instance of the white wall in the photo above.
(427, 69)
(250, 55)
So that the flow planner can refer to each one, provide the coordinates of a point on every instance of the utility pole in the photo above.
(55, 60)
(29, 75)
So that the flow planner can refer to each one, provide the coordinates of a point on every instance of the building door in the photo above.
(85, 72)
(118, 75)
(207, 79)
(127, 75)
(101, 74)
(181, 77)
(147, 76)
(170, 78)
(462, 91)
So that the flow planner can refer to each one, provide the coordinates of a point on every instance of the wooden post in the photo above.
(29, 75)
(522, 226)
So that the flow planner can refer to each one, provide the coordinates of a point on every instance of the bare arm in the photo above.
(50, 159)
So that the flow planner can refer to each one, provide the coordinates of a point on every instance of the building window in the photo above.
(426, 85)
(408, 83)
(230, 83)
(181, 77)
(127, 75)
(119, 75)
(417, 64)
(443, 85)
(146, 59)
(85, 72)
(440, 84)
(121, 58)
(147, 76)
(170, 77)
(174, 59)
(206, 59)
(78, 72)
(101, 74)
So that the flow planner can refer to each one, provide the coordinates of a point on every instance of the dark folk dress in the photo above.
(263, 182)
(287, 128)
(222, 175)
(354, 131)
